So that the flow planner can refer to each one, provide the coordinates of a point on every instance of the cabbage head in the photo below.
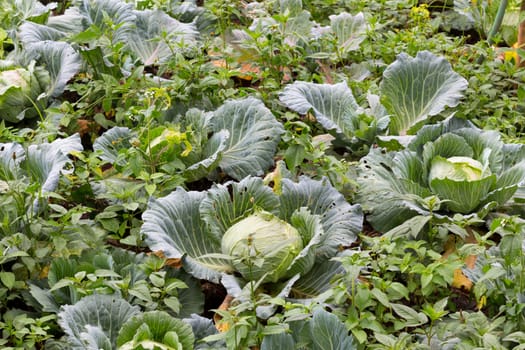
(20, 89)
(468, 171)
(254, 232)
(262, 236)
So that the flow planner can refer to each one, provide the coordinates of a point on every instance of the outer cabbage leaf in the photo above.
(278, 341)
(59, 59)
(107, 313)
(155, 329)
(349, 30)
(328, 332)
(334, 106)
(173, 225)
(146, 39)
(340, 220)
(254, 135)
(31, 33)
(388, 199)
(95, 12)
(11, 154)
(316, 280)
(111, 142)
(414, 89)
(69, 23)
(211, 157)
(203, 327)
(45, 162)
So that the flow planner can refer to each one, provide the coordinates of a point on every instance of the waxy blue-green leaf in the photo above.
(349, 30)
(340, 220)
(334, 106)
(47, 161)
(328, 332)
(98, 12)
(11, 154)
(173, 225)
(95, 318)
(414, 89)
(253, 137)
(59, 59)
(157, 36)
(111, 142)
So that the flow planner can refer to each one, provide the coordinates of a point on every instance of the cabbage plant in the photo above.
(446, 169)
(247, 229)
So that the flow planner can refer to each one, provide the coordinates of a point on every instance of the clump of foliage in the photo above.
(179, 175)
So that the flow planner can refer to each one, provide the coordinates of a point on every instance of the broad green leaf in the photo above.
(157, 36)
(429, 133)
(316, 280)
(31, 33)
(388, 199)
(328, 332)
(107, 13)
(69, 22)
(414, 89)
(340, 220)
(411, 228)
(94, 338)
(46, 162)
(411, 316)
(11, 154)
(111, 142)
(349, 30)
(334, 106)
(173, 225)
(59, 59)
(160, 326)
(8, 279)
(254, 134)
(97, 317)
(278, 342)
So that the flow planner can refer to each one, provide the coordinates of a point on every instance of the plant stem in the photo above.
(497, 21)
(521, 34)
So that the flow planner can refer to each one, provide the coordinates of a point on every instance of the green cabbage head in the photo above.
(457, 169)
(20, 89)
(262, 244)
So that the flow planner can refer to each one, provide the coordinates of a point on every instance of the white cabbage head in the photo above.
(457, 169)
(262, 244)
